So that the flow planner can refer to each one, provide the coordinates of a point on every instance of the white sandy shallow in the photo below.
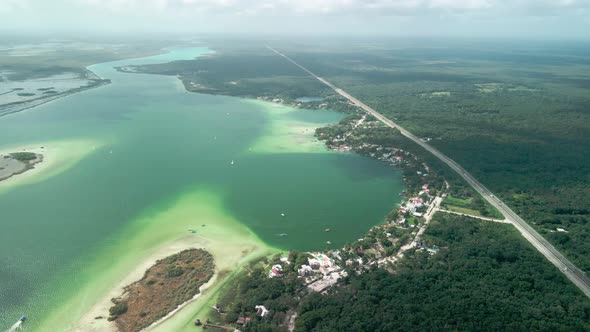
(285, 134)
(89, 323)
(154, 236)
(58, 156)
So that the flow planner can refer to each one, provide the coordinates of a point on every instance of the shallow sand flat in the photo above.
(287, 135)
(159, 233)
(58, 156)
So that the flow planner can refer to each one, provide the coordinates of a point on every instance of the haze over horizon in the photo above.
(560, 19)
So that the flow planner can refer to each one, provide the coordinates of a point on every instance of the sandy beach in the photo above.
(10, 166)
(15, 170)
(88, 321)
(156, 236)
(58, 156)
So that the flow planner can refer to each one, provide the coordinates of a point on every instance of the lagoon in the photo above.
(154, 161)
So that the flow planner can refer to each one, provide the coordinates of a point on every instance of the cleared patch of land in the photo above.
(471, 205)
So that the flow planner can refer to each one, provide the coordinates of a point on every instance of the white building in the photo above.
(305, 270)
(261, 310)
(276, 271)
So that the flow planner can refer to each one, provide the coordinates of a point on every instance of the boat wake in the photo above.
(17, 326)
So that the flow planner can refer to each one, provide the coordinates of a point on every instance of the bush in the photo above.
(118, 309)
(24, 156)
(174, 271)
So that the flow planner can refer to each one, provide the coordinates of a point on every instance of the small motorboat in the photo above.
(22, 318)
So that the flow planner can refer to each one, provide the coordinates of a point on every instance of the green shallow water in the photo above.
(157, 142)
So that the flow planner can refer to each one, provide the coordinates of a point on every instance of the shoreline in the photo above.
(88, 321)
(289, 135)
(172, 313)
(17, 107)
(123, 268)
(26, 166)
(158, 233)
(32, 170)
(58, 156)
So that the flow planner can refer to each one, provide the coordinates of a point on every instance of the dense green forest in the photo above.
(485, 278)
(386, 137)
(280, 296)
(242, 74)
(515, 116)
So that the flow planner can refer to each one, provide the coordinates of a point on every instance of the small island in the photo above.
(17, 163)
(171, 282)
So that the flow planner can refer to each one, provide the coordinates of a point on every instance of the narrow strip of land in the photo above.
(19, 106)
(574, 274)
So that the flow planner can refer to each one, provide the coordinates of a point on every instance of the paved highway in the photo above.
(575, 275)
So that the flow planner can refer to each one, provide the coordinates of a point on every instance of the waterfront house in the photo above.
(276, 271)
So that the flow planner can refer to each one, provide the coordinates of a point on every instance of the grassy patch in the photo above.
(461, 202)
(462, 210)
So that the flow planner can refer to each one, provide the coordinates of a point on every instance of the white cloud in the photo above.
(13, 6)
(317, 6)
(273, 15)
(371, 7)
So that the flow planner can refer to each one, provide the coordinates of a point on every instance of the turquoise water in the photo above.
(159, 141)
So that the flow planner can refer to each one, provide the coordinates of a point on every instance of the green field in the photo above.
(462, 210)
(472, 205)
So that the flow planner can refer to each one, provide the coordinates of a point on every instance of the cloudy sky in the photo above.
(520, 18)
